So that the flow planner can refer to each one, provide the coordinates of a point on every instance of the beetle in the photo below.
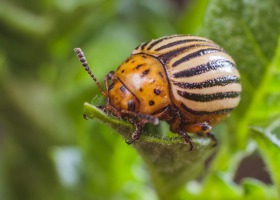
(188, 81)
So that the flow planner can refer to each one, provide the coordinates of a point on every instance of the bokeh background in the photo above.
(47, 150)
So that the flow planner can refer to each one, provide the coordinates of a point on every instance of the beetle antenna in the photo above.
(83, 60)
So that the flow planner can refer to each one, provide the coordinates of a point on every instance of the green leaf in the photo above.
(269, 146)
(191, 20)
(221, 182)
(254, 189)
(169, 161)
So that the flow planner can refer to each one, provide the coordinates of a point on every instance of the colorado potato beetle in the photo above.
(188, 81)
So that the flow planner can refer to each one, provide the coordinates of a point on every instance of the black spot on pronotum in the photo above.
(157, 91)
(151, 102)
(122, 88)
(133, 61)
(138, 66)
(141, 89)
(123, 71)
(131, 105)
(144, 73)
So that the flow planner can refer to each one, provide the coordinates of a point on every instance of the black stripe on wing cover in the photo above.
(196, 54)
(178, 42)
(155, 42)
(171, 54)
(220, 81)
(208, 97)
(200, 69)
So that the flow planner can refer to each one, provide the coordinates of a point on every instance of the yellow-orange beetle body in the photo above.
(188, 81)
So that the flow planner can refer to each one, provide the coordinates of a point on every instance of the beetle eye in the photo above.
(131, 105)
(110, 75)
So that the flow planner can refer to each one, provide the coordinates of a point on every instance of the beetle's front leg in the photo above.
(137, 133)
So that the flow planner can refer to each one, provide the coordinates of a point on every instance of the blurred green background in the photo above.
(47, 150)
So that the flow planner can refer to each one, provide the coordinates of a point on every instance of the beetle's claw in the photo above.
(85, 116)
(136, 134)
(131, 141)
(213, 139)
(189, 140)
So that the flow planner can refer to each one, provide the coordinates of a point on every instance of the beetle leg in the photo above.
(187, 138)
(164, 114)
(175, 122)
(213, 138)
(110, 110)
(201, 128)
(175, 127)
(144, 118)
(136, 135)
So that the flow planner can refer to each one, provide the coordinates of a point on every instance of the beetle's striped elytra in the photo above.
(188, 81)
